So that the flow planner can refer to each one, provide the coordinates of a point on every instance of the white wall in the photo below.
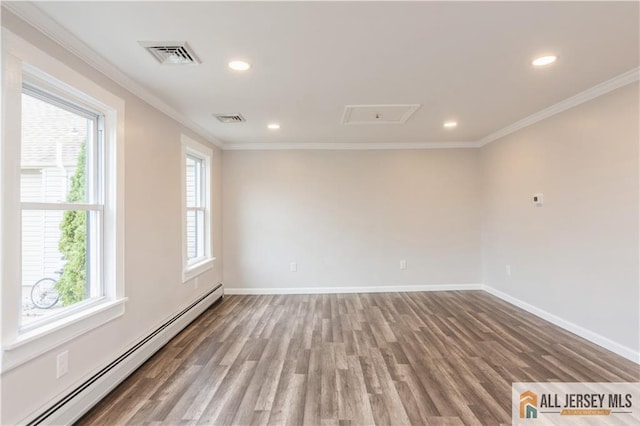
(576, 257)
(348, 217)
(153, 242)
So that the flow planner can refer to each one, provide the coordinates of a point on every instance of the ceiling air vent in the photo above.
(230, 118)
(171, 52)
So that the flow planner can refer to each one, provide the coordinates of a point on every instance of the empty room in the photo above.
(320, 213)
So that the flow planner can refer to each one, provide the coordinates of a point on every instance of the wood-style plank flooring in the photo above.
(437, 358)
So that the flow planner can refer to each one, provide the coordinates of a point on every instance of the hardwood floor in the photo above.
(437, 358)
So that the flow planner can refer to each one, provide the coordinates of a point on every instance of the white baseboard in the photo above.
(373, 289)
(596, 338)
(79, 402)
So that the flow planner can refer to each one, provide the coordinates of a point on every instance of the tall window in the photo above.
(197, 208)
(61, 194)
(62, 204)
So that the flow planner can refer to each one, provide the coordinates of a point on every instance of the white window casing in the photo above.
(199, 258)
(23, 62)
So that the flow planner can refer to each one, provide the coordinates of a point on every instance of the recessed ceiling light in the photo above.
(273, 126)
(544, 60)
(239, 65)
(450, 124)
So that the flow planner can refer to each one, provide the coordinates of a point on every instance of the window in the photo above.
(62, 204)
(196, 209)
(196, 179)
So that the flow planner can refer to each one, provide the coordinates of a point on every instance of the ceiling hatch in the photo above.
(171, 52)
(378, 114)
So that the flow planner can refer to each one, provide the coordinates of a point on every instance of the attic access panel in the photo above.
(378, 114)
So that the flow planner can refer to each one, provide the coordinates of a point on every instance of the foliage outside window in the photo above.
(72, 285)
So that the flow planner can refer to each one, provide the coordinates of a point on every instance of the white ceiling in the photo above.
(468, 61)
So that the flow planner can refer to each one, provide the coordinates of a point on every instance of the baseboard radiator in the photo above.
(77, 402)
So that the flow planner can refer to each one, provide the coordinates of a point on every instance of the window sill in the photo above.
(33, 343)
(196, 269)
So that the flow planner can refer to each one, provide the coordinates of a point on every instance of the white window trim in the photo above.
(190, 146)
(20, 58)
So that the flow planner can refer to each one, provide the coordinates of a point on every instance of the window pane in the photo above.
(201, 236)
(192, 235)
(55, 259)
(194, 182)
(53, 160)
(195, 234)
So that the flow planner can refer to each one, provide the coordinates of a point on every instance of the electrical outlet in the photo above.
(507, 270)
(293, 267)
(62, 364)
(403, 264)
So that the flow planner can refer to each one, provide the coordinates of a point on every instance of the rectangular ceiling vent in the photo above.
(171, 52)
(230, 118)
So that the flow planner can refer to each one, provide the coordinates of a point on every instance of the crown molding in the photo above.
(56, 32)
(621, 80)
(346, 146)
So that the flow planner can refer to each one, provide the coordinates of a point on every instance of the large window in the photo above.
(196, 178)
(62, 203)
(61, 182)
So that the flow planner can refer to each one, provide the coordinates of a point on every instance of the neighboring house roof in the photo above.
(51, 136)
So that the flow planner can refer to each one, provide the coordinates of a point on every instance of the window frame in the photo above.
(23, 62)
(196, 150)
(199, 207)
(93, 205)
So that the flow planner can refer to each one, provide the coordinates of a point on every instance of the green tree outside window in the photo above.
(72, 284)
